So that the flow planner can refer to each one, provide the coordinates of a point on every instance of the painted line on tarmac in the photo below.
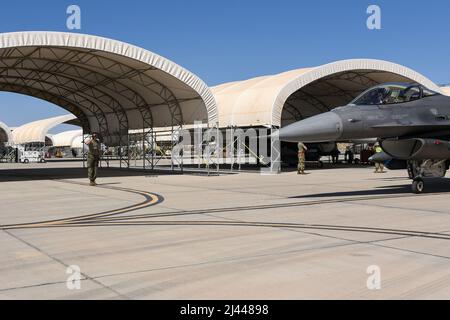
(151, 199)
(255, 207)
(401, 232)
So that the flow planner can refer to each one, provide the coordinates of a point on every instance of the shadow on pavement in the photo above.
(30, 174)
(431, 186)
(381, 178)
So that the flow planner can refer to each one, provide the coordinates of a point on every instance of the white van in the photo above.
(32, 156)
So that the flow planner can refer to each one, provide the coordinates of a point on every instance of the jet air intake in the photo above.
(417, 149)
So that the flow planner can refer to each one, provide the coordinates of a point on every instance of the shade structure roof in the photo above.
(293, 95)
(111, 86)
(66, 138)
(446, 90)
(37, 131)
(78, 142)
(5, 134)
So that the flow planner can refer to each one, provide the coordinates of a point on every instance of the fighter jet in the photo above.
(411, 122)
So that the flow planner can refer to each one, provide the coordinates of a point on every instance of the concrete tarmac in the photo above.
(343, 233)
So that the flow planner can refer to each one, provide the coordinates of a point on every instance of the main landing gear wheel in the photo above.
(418, 186)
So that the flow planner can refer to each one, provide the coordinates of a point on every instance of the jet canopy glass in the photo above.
(392, 94)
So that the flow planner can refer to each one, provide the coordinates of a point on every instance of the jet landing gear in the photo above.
(418, 185)
(418, 170)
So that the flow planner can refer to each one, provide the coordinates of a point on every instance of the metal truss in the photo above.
(89, 91)
(47, 96)
(7, 153)
(293, 111)
(96, 65)
(69, 68)
(275, 151)
(63, 92)
(338, 92)
(359, 77)
(212, 148)
(176, 138)
(308, 98)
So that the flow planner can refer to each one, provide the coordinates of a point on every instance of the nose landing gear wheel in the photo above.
(418, 186)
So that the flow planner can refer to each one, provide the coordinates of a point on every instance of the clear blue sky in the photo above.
(229, 40)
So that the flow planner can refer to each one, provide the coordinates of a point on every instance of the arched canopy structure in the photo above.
(37, 131)
(67, 138)
(291, 96)
(5, 134)
(446, 90)
(110, 86)
(78, 142)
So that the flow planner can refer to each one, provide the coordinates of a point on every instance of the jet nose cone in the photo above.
(321, 128)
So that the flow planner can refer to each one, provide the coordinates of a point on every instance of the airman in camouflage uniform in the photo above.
(301, 158)
(379, 166)
(93, 158)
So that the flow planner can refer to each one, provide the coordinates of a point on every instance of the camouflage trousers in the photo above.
(301, 164)
(92, 164)
(379, 167)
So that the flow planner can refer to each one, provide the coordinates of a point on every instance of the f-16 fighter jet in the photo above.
(411, 122)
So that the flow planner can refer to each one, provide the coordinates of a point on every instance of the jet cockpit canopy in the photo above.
(393, 93)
